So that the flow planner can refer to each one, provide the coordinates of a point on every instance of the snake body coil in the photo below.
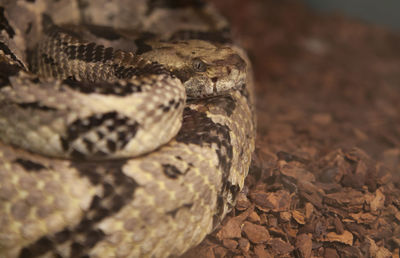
(126, 127)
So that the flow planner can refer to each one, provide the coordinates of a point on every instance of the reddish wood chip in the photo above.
(254, 217)
(304, 245)
(397, 215)
(230, 243)
(347, 197)
(378, 202)
(276, 201)
(363, 218)
(285, 216)
(280, 246)
(331, 253)
(260, 251)
(297, 173)
(219, 251)
(244, 245)
(256, 233)
(345, 238)
(242, 203)
(299, 217)
(232, 228)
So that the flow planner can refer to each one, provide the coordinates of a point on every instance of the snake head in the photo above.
(206, 69)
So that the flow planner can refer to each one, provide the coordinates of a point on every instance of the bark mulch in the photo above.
(325, 178)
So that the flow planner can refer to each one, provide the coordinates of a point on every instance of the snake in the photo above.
(126, 127)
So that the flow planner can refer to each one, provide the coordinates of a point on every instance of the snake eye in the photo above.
(199, 65)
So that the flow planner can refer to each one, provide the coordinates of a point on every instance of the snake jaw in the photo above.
(203, 86)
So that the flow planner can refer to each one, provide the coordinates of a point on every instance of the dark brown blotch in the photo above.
(4, 25)
(40, 247)
(141, 45)
(9, 53)
(171, 171)
(29, 165)
(35, 105)
(62, 236)
(77, 249)
(93, 237)
(126, 128)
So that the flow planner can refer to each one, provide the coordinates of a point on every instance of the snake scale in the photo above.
(126, 127)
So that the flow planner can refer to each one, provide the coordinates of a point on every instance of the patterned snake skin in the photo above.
(126, 127)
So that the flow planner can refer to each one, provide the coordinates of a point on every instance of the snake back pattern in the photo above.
(126, 126)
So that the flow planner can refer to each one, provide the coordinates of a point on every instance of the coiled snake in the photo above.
(126, 127)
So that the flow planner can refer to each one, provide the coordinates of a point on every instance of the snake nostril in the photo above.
(215, 89)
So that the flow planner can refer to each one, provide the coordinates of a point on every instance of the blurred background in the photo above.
(385, 12)
(327, 89)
